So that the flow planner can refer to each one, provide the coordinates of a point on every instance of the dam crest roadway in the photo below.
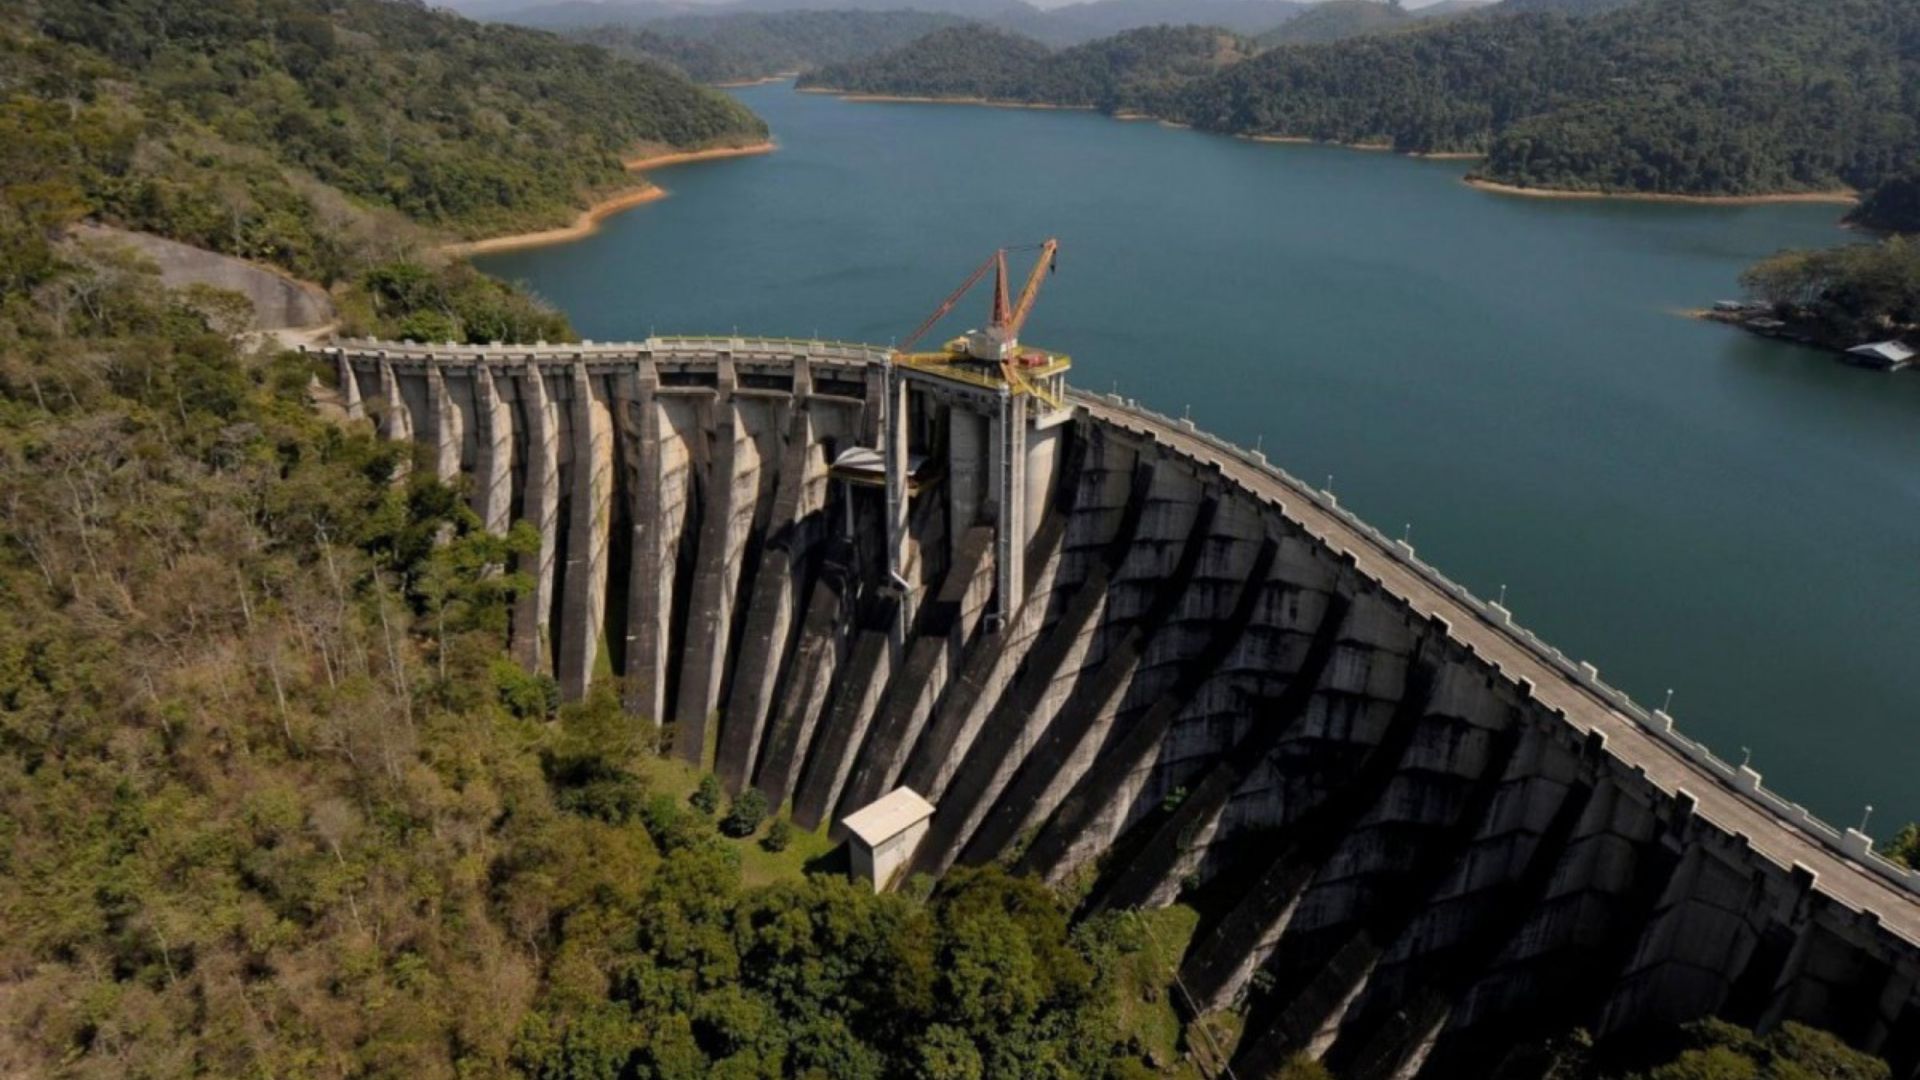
(1117, 652)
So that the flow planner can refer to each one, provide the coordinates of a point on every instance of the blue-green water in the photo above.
(1682, 504)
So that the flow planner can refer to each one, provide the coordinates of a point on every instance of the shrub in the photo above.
(526, 695)
(779, 835)
(1904, 848)
(706, 797)
(748, 811)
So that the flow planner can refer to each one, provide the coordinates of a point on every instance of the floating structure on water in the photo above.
(1109, 648)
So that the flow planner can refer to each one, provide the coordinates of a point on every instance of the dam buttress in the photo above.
(1114, 651)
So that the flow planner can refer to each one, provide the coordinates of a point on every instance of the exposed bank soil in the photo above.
(1843, 197)
(649, 162)
(589, 220)
(734, 84)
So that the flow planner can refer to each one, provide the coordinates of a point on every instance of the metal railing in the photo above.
(1851, 844)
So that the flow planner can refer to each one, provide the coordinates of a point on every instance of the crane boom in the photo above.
(1000, 339)
(1002, 310)
(947, 305)
(1041, 267)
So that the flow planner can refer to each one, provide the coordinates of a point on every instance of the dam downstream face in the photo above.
(1682, 505)
(1417, 838)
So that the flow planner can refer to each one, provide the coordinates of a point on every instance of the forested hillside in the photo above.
(1059, 26)
(1684, 96)
(1894, 206)
(1562, 7)
(1078, 23)
(1143, 70)
(1715, 97)
(457, 125)
(1337, 20)
(753, 45)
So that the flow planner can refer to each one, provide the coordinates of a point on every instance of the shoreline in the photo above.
(1764, 325)
(589, 220)
(921, 99)
(1367, 148)
(1842, 198)
(669, 158)
(1838, 198)
(735, 84)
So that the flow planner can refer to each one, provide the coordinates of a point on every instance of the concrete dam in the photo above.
(1116, 652)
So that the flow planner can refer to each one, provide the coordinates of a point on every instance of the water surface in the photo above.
(1684, 505)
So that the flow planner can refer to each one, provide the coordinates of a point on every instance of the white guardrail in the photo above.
(754, 348)
(1851, 844)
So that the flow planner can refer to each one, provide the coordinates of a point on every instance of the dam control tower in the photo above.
(976, 424)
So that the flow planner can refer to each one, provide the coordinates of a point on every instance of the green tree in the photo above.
(1718, 1050)
(1904, 848)
(779, 836)
(743, 818)
(706, 797)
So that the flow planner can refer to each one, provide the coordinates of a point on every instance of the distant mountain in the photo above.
(1080, 22)
(579, 14)
(1071, 24)
(1337, 20)
(1559, 7)
(1452, 7)
(1140, 70)
(754, 45)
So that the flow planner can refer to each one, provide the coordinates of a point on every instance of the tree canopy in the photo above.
(1892, 207)
(1845, 295)
(1705, 97)
(738, 46)
(1137, 70)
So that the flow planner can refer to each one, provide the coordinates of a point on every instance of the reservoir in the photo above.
(1505, 381)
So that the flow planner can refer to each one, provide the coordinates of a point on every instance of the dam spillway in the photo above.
(1114, 651)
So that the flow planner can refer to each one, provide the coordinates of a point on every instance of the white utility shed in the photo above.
(884, 834)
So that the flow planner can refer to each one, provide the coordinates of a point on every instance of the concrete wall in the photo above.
(1416, 836)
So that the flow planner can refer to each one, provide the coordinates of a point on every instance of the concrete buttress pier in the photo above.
(1107, 647)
